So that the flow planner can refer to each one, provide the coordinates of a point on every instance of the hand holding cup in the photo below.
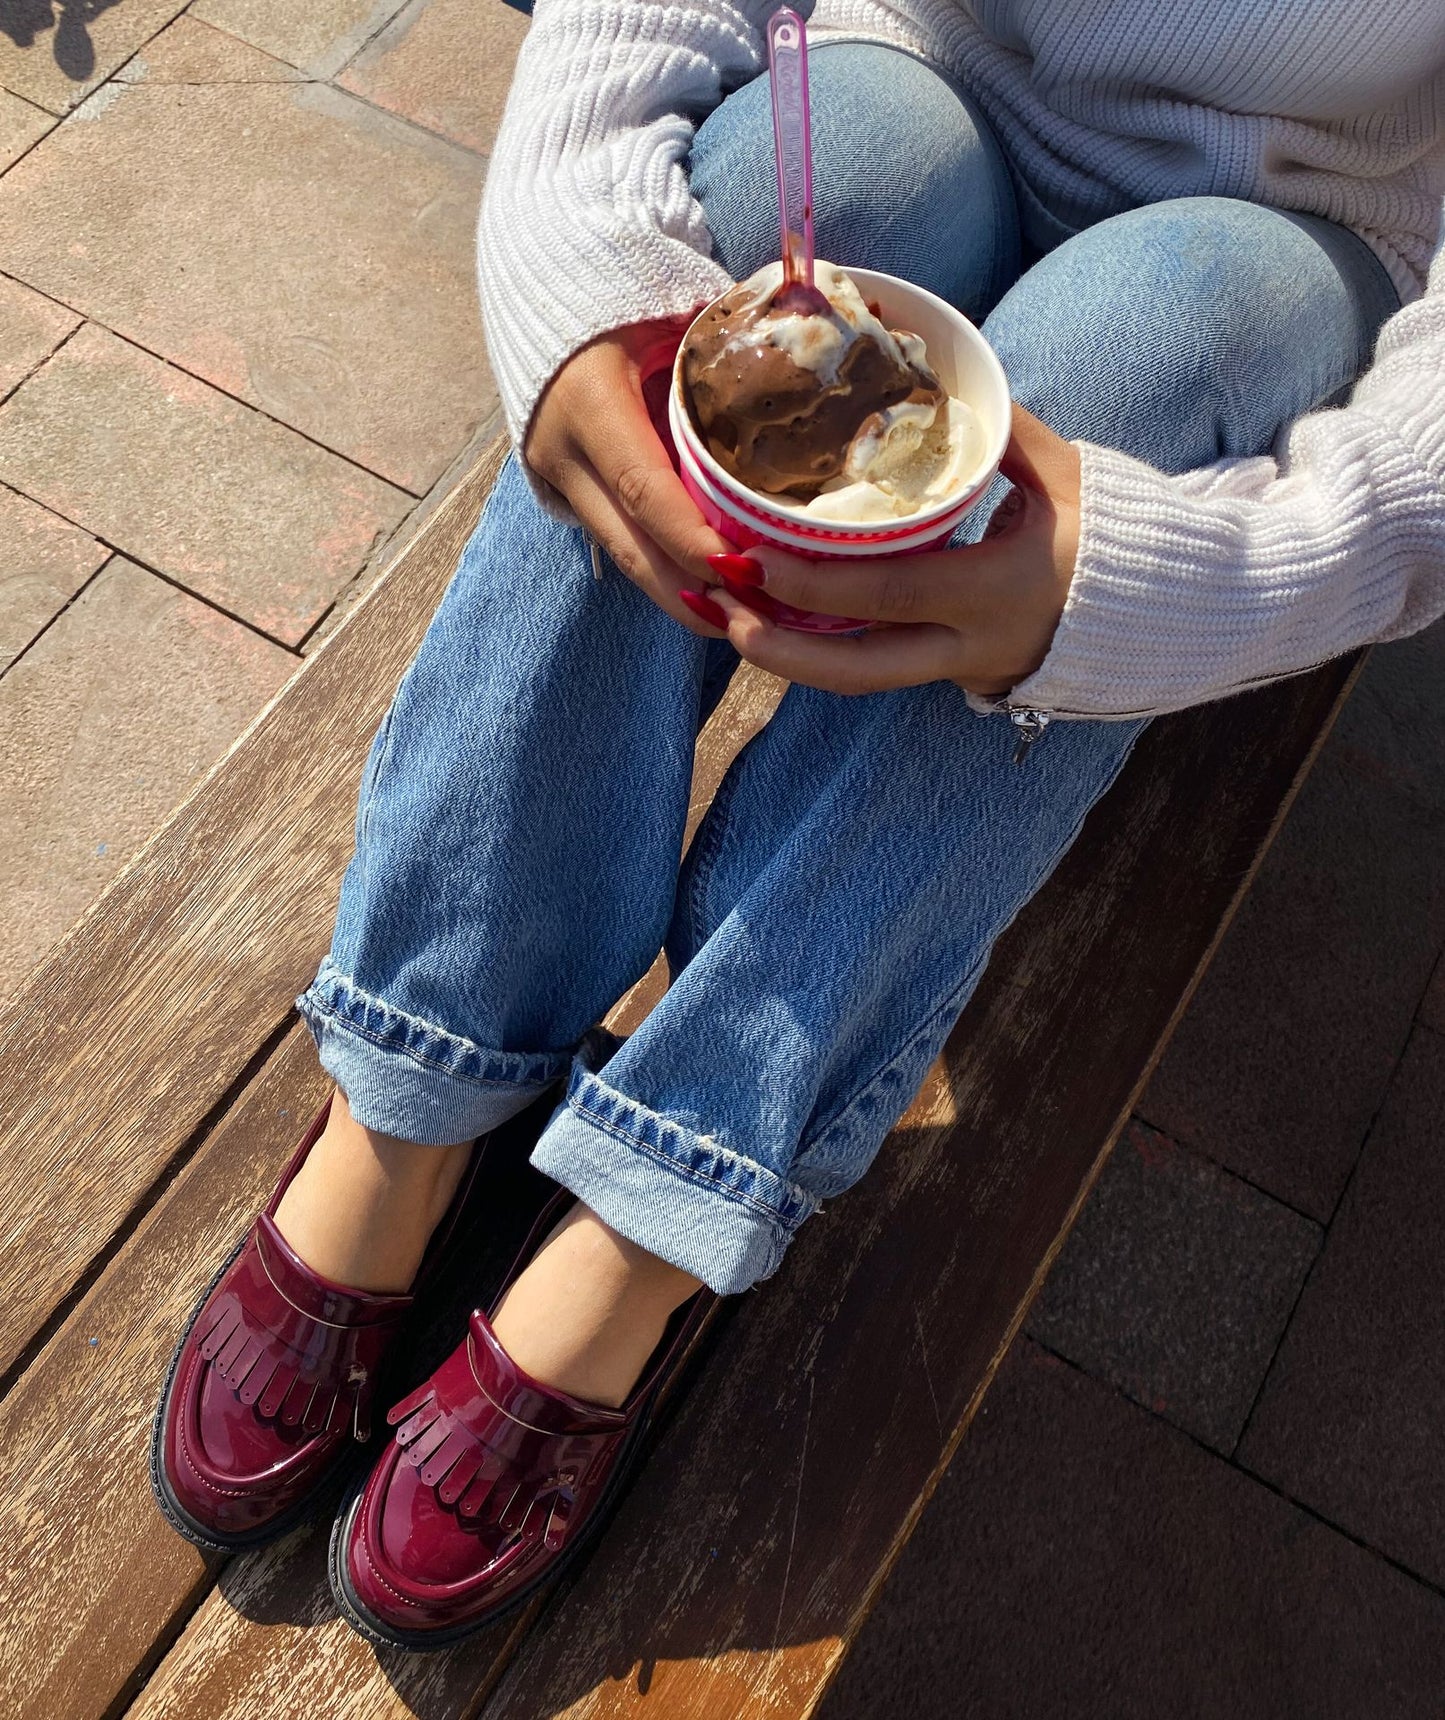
(982, 616)
(594, 441)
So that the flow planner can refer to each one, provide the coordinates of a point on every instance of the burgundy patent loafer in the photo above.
(267, 1399)
(492, 1485)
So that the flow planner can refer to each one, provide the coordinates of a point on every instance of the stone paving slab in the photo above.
(319, 37)
(31, 327)
(1287, 1049)
(55, 52)
(290, 244)
(1432, 1009)
(104, 725)
(1176, 1284)
(1393, 723)
(43, 563)
(225, 501)
(21, 124)
(189, 52)
(1352, 1418)
(1081, 1560)
(446, 64)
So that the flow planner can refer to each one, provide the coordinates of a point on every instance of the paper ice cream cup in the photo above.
(967, 367)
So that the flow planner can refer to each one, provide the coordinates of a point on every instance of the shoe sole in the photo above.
(382, 1635)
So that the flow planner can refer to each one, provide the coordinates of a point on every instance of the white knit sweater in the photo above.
(1187, 588)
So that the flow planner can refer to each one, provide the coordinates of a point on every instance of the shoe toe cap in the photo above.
(416, 1565)
(231, 1470)
(431, 1544)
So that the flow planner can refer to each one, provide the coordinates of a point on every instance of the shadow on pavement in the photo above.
(23, 20)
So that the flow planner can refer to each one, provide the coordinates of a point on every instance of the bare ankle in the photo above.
(589, 1309)
(364, 1204)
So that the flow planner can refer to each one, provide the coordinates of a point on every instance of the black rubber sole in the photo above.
(382, 1635)
(314, 1504)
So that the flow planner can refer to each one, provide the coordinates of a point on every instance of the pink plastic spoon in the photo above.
(788, 66)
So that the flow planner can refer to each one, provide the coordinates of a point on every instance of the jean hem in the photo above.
(693, 1202)
(407, 1077)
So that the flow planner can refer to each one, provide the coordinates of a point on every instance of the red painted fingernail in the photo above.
(705, 609)
(751, 598)
(742, 568)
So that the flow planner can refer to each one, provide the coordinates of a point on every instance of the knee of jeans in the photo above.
(1186, 331)
(906, 177)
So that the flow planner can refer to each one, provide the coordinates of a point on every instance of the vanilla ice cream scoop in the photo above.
(903, 460)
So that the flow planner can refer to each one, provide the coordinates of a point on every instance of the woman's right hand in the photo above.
(591, 439)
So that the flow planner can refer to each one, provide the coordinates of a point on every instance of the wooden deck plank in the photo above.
(266, 1644)
(225, 913)
(739, 1570)
(772, 1509)
(92, 1577)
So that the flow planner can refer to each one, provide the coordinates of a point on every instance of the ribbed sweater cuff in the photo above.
(1174, 601)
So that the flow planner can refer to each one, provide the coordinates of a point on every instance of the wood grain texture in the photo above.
(119, 1045)
(267, 1645)
(773, 1507)
(266, 1642)
(91, 1574)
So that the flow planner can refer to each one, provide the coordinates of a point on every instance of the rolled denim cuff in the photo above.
(690, 1201)
(410, 1078)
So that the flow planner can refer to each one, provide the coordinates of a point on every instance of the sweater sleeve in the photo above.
(587, 221)
(1193, 587)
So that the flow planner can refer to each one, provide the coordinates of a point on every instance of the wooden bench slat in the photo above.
(814, 1436)
(92, 1577)
(773, 1508)
(221, 916)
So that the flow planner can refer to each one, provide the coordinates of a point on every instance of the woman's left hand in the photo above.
(982, 616)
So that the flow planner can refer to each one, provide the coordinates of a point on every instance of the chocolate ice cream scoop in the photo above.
(779, 395)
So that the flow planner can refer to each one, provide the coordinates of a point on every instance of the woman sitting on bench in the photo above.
(1183, 232)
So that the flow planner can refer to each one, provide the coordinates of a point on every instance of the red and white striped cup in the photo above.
(967, 367)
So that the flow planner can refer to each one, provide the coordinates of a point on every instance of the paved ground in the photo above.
(238, 352)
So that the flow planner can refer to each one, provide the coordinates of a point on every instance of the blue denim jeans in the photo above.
(518, 844)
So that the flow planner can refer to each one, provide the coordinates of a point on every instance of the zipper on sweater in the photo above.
(1022, 717)
(1029, 725)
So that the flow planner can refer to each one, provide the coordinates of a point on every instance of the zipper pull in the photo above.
(1028, 726)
